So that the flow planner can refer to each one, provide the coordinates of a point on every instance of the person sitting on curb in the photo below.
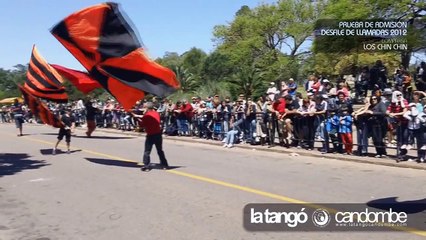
(230, 136)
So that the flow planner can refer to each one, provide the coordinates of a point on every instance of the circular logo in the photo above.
(321, 217)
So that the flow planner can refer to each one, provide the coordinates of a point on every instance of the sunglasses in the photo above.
(399, 95)
(374, 98)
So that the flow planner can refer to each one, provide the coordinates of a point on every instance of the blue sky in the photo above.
(164, 26)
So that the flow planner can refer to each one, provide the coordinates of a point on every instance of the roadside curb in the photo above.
(366, 160)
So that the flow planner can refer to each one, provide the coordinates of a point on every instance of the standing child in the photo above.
(414, 124)
(345, 130)
(69, 124)
(332, 129)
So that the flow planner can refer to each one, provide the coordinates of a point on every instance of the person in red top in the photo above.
(187, 112)
(316, 85)
(279, 107)
(395, 111)
(151, 122)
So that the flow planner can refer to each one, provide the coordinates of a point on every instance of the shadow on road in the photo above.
(94, 137)
(121, 163)
(409, 207)
(51, 134)
(104, 137)
(48, 151)
(25, 134)
(12, 163)
(113, 162)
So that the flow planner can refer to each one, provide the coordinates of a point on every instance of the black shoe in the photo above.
(165, 167)
(146, 168)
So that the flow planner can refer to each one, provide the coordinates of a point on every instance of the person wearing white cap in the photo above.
(292, 88)
(324, 86)
(272, 90)
(396, 110)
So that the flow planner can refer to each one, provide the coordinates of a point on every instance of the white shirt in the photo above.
(413, 120)
(271, 92)
(80, 104)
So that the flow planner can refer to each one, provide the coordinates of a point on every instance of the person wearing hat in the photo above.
(68, 126)
(292, 88)
(396, 110)
(323, 89)
(386, 95)
(387, 92)
(151, 122)
(272, 91)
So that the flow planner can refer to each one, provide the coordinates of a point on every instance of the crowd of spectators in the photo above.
(392, 114)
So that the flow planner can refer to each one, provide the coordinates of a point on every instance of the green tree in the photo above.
(170, 60)
(270, 37)
(249, 81)
(216, 67)
(188, 81)
(193, 61)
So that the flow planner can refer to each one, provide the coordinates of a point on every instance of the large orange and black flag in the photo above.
(105, 44)
(39, 109)
(43, 81)
(81, 80)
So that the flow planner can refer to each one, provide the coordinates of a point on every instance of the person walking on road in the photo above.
(69, 125)
(90, 118)
(18, 115)
(151, 122)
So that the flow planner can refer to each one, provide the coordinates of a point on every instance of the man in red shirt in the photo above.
(279, 107)
(151, 122)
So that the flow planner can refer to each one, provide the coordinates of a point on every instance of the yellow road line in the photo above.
(230, 185)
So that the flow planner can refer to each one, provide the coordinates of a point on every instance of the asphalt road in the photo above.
(98, 191)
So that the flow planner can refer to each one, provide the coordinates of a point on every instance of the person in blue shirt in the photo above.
(292, 87)
(345, 130)
(332, 128)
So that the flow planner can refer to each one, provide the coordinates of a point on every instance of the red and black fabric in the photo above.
(103, 41)
(39, 109)
(43, 81)
(81, 80)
